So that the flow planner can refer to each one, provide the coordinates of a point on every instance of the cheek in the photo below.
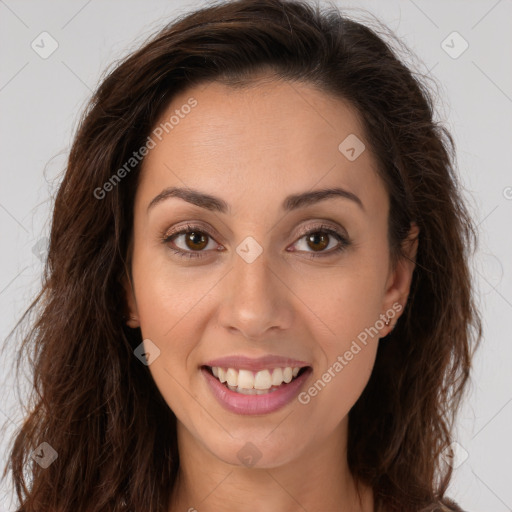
(169, 311)
(168, 294)
(346, 300)
(347, 303)
(339, 382)
(169, 303)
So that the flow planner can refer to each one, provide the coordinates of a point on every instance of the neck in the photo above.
(317, 478)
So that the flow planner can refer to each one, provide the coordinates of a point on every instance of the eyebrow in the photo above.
(216, 204)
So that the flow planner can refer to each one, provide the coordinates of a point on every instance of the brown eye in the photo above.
(190, 242)
(322, 241)
(318, 241)
(196, 240)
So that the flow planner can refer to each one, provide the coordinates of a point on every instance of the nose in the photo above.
(256, 300)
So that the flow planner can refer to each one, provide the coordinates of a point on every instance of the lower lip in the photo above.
(255, 404)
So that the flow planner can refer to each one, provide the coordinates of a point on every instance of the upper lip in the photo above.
(261, 363)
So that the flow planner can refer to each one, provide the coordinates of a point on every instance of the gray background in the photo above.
(40, 100)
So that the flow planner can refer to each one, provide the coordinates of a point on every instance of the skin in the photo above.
(252, 147)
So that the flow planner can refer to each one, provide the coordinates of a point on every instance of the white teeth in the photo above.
(263, 380)
(277, 377)
(250, 383)
(245, 379)
(232, 377)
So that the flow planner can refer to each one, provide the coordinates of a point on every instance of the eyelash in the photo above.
(344, 241)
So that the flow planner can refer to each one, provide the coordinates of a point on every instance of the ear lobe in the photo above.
(400, 279)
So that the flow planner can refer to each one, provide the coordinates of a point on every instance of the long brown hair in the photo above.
(97, 405)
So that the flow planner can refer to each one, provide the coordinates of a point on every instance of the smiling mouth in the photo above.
(248, 382)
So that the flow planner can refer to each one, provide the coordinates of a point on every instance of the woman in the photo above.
(257, 291)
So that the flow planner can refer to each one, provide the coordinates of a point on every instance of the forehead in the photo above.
(271, 137)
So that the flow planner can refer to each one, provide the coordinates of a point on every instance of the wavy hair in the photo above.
(93, 401)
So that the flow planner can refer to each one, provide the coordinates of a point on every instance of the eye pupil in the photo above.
(315, 238)
(197, 238)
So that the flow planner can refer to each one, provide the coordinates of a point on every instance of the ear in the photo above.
(132, 316)
(399, 281)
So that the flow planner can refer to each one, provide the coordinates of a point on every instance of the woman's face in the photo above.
(249, 289)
